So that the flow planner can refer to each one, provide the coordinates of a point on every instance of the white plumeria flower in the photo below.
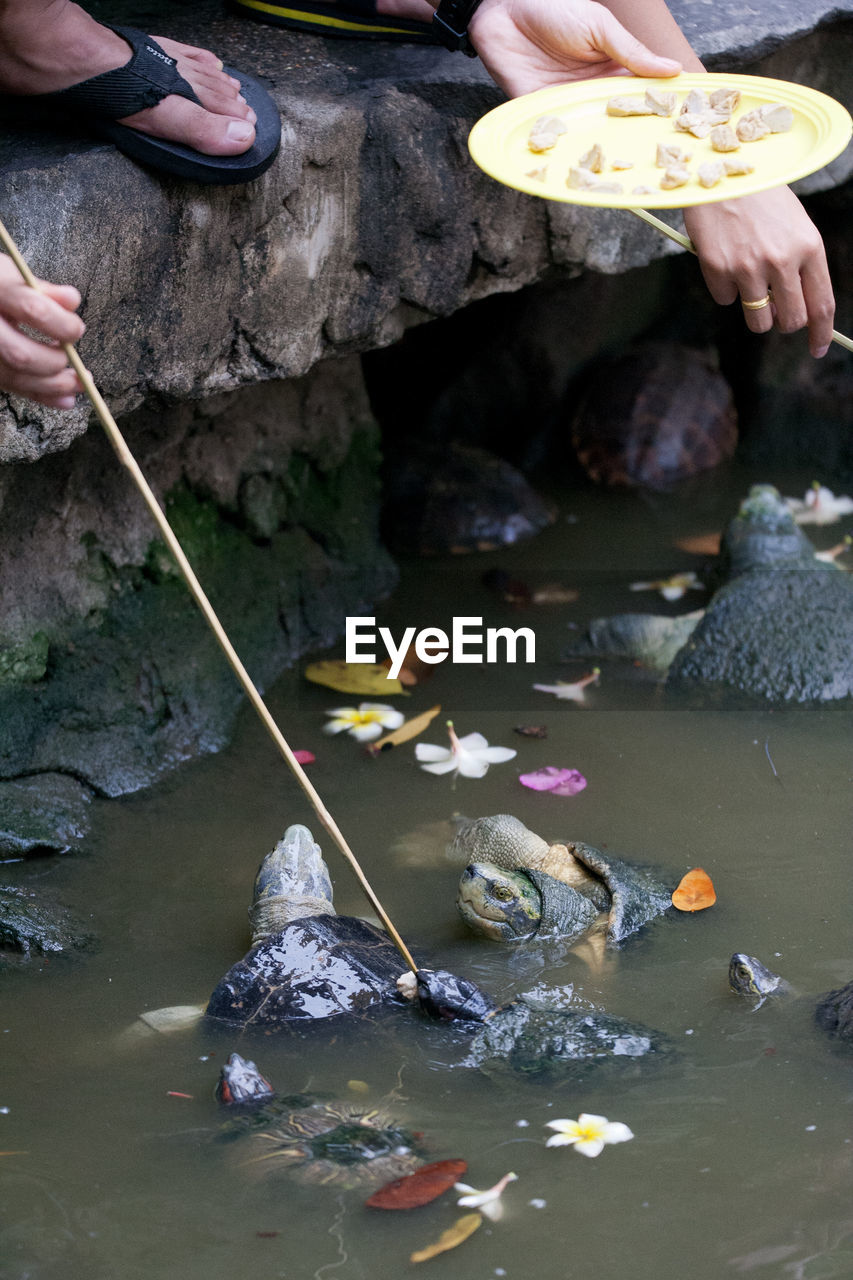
(672, 588)
(820, 506)
(588, 1134)
(470, 756)
(489, 1201)
(832, 553)
(365, 721)
(571, 692)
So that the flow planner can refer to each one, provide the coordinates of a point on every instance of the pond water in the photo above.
(741, 1161)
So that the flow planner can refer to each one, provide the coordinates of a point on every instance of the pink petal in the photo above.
(560, 782)
(305, 757)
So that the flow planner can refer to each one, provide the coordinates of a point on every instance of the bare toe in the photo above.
(178, 120)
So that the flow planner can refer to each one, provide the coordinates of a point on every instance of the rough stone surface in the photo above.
(31, 924)
(43, 814)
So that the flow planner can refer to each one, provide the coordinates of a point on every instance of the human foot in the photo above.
(48, 45)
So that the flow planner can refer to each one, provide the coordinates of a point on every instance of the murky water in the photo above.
(741, 1163)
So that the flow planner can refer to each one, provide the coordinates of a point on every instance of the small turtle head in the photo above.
(504, 905)
(749, 977)
(292, 882)
(448, 997)
(242, 1085)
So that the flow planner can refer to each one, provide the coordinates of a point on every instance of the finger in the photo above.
(56, 386)
(628, 51)
(42, 312)
(759, 313)
(820, 303)
(27, 357)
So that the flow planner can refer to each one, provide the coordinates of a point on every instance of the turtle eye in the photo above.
(502, 893)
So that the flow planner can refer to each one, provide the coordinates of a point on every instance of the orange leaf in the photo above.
(420, 1187)
(700, 544)
(695, 892)
(462, 1228)
(408, 729)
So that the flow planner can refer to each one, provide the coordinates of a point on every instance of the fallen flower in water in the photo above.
(832, 553)
(571, 692)
(588, 1134)
(489, 1201)
(470, 756)
(819, 506)
(558, 782)
(365, 721)
(672, 588)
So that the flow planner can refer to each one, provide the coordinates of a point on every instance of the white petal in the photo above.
(493, 1209)
(473, 742)
(378, 709)
(563, 1126)
(349, 712)
(337, 726)
(590, 1146)
(616, 1132)
(463, 1186)
(392, 719)
(364, 732)
(673, 593)
(561, 1140)
(471, 766)
(497, 755)
(444, 766)
(586, 1120)
(429, 751)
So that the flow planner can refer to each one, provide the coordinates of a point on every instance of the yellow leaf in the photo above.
(462, 1228)
(352, 677)
(408, 729)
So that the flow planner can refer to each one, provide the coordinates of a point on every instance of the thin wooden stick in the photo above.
(840, 338)
(127, 459)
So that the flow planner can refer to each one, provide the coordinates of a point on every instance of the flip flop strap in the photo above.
(146, 79)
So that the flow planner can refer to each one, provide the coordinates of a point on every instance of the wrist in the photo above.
(451, 22)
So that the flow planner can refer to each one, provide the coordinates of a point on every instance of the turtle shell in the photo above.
(316, 967)
(654, 415)
(638, 894)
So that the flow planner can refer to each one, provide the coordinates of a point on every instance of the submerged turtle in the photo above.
(516, 886)
(305, 963)
(329, 1143)
(779, 628)
(833, 1012)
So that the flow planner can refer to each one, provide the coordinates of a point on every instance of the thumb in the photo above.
(622, 47)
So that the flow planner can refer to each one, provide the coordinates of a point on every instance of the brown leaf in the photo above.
(413, 669)
(695, 891)
(553, 593)
(420, 1187)
(531, 730)
(700, 544)
(462, 1228)
(408, 729)
(352, 677)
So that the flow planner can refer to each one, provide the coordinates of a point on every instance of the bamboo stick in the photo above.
(127, 460)
(840, 338)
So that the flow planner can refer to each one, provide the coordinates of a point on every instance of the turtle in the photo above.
(833, 1011)
(778, 629)
(305, 963)
(334, 1143)
(516, 886)
(652, 416)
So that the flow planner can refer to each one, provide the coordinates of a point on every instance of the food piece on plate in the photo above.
(669, 153)
(736, 165)
(697, 103)
(751, 127)
(545, 132)
(777, 117)
(580, 179)
(642, 191)
(692, 122)
(626, 105)
(710, 173)
(538, 173)
(593, 159)
(675, 176)
(621, 164)
(724, 138)
(725, 100)
(660, 102)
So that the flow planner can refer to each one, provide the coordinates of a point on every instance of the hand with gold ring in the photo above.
(764, 250)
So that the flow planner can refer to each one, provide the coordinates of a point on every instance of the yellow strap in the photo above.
(319, 19)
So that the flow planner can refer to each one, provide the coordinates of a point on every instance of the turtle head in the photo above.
(242, 1085)
(292, 882)
(449, 997)
(504, 905)
(749, 977)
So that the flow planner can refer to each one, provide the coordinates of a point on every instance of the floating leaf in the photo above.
(695, 892)
(531, 730)
(701, 544)
(304, 757)
(352, 677)
(420, 1187)
(553, 593)
(408, 729)
(462, 1228)
(559, 782)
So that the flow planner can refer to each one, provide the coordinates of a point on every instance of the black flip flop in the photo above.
(352, 19)
(150, 76)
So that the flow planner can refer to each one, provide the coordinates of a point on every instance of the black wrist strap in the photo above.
(450, 25)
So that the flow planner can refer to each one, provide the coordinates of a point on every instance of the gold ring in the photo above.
(757, 305)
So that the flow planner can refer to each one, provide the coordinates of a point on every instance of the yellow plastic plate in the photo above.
(498, 142)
